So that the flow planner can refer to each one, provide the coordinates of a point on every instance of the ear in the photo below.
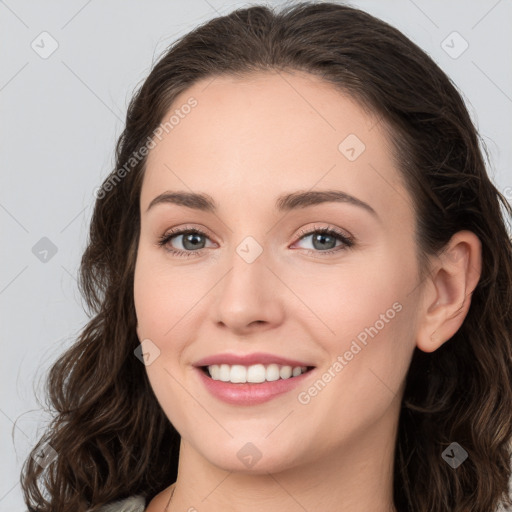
(447, 292)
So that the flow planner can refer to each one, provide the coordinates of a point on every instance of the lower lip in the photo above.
(249, 393)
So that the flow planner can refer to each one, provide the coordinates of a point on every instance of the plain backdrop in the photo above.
(67, 72)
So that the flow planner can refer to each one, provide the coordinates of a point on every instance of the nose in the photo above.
(250, 296)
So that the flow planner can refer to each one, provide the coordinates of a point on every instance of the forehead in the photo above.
(257, 136)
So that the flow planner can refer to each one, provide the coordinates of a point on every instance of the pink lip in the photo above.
(249, 393)
(249, 359)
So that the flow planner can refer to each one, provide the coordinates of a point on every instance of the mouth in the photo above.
(251, 379)
(253, 374)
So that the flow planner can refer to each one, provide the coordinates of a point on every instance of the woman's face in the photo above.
(262, 291)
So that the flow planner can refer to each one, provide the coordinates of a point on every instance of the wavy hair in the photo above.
(111, 436)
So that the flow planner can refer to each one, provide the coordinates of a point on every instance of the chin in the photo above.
(250, 457)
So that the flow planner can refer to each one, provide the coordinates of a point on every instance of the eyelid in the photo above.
(179, 230)
(344, 234)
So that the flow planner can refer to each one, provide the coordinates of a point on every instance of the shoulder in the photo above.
(131, 504)
(159, 502)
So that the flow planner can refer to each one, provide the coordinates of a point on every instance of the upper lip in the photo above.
(249, 359)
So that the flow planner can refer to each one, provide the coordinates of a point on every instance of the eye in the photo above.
(324, 240)
(192, 244)
(190, 241)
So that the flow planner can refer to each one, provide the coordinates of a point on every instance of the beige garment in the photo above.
(131, 504)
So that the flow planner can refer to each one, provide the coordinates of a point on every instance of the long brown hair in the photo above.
(112, 438)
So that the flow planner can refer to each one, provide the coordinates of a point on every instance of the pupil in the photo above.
(188, 239)
(321, 238)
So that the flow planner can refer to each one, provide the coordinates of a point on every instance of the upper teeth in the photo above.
(256, 373)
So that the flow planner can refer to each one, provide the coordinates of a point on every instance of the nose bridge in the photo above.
(248, 291)
(248, 263)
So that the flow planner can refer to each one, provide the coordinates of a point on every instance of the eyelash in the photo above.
(348, 242)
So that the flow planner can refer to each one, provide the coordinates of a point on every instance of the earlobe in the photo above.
(449, 287)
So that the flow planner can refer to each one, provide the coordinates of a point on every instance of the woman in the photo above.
(299, 274)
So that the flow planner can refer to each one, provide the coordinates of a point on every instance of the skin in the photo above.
(246, 142)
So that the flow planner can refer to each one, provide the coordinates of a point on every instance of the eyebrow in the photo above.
(284, 203)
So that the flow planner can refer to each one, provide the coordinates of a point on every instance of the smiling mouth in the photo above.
(253, 374)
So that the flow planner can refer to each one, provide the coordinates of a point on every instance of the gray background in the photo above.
(61, 116)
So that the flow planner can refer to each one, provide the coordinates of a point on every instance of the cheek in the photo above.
(379, 316)
(367, 320)
(162, 300)
(163, 294)
(348, 298)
